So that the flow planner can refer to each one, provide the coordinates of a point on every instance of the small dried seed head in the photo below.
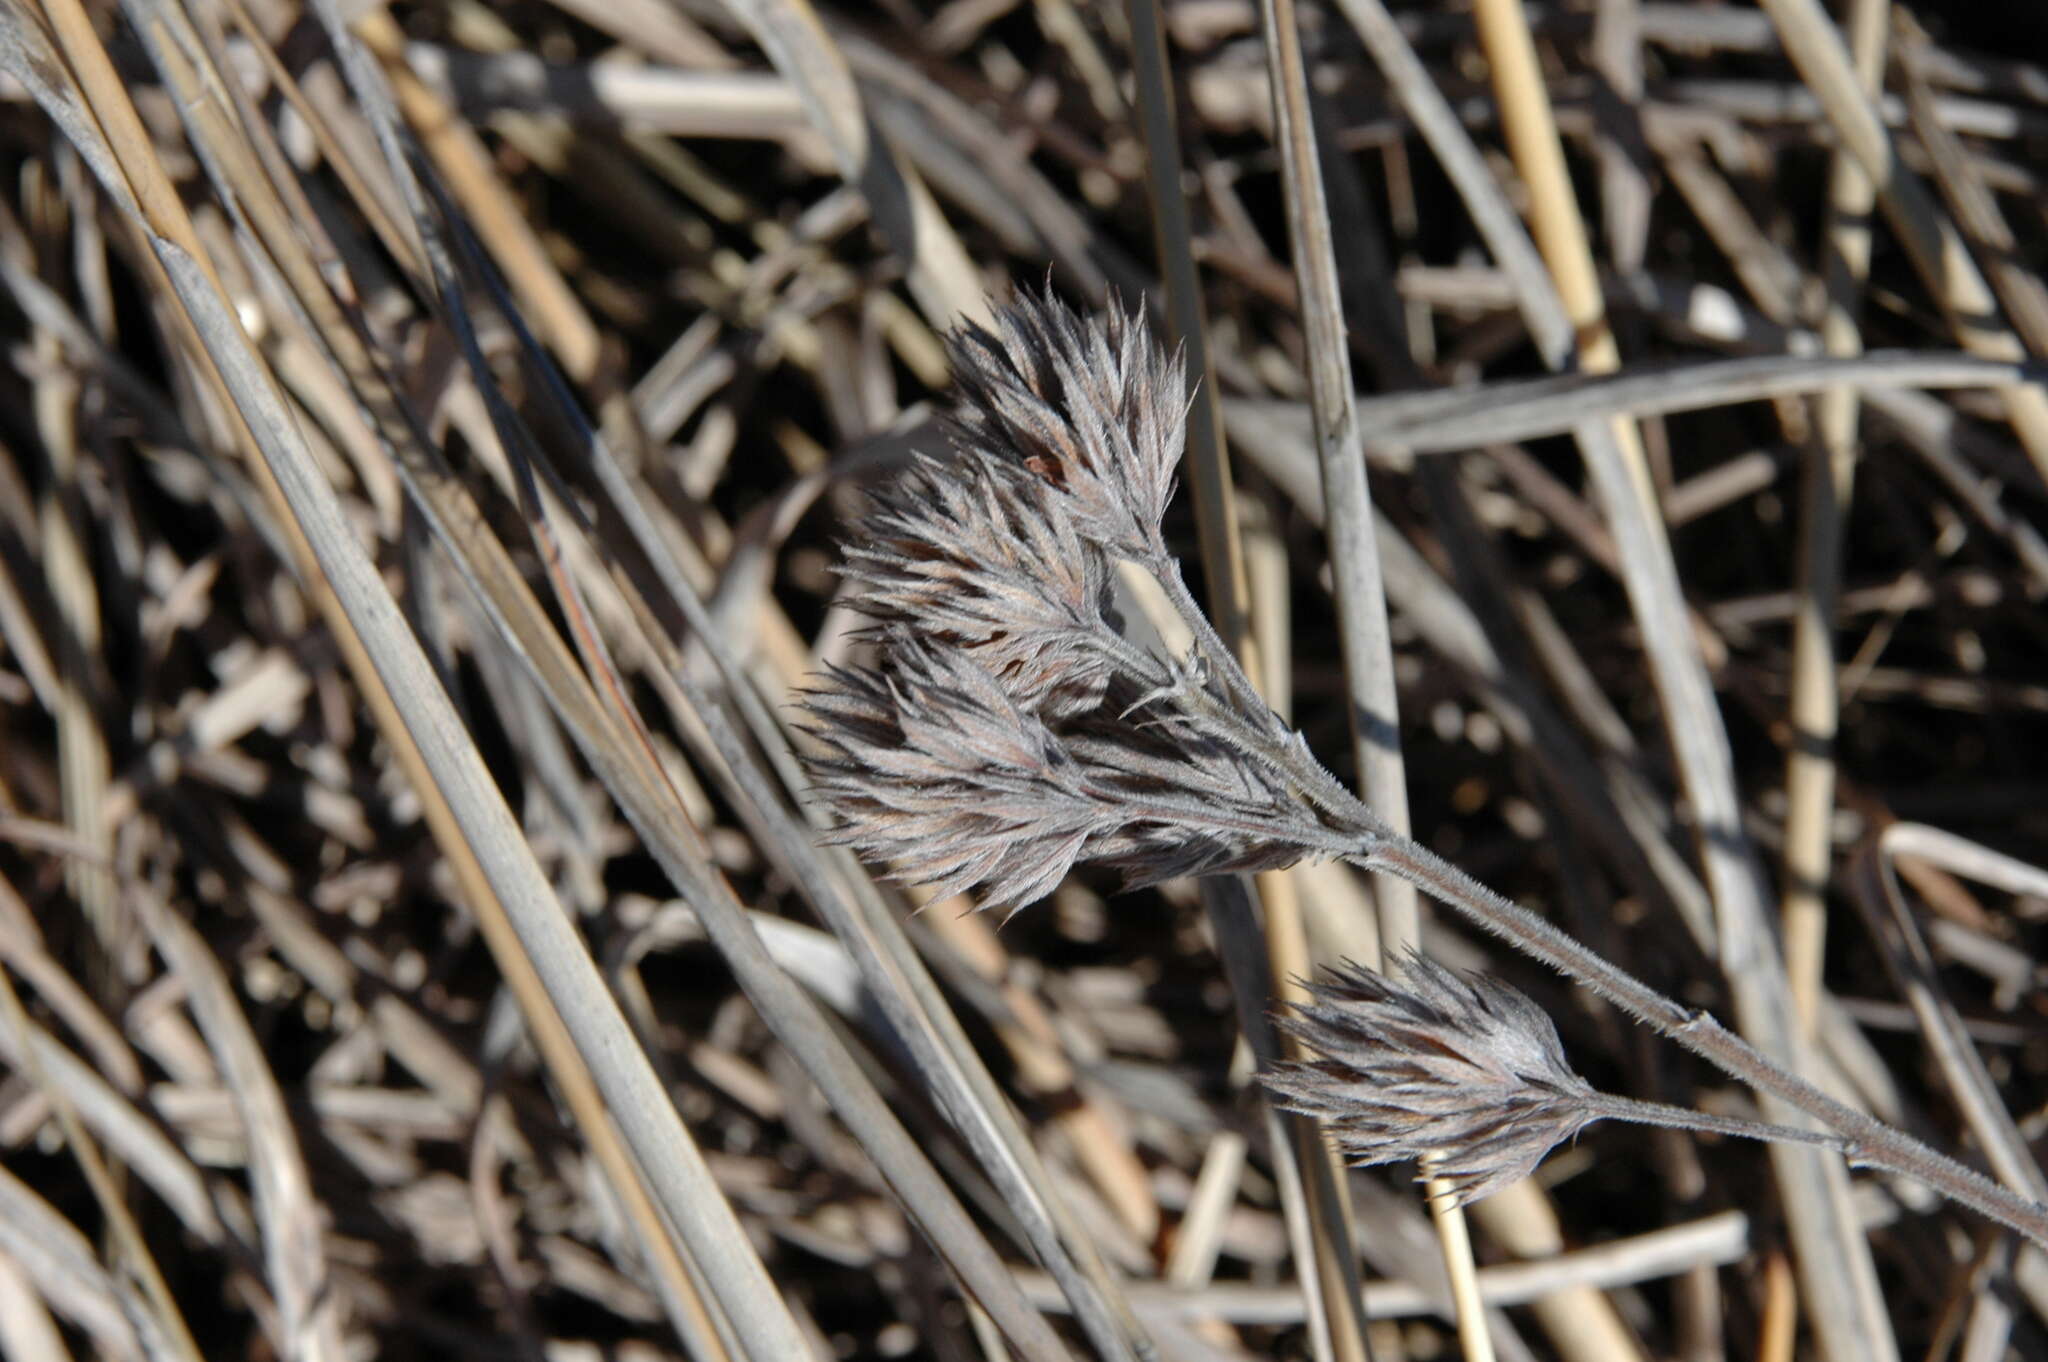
(1463, 1070)
(1094, 407)
(933, 767)
(985, 558)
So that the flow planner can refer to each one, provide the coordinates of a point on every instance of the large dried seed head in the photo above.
(1463, 1070)
(1092, 406)
(986, 559)
(1008, 732)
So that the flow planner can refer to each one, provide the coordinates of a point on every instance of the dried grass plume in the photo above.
(1461, 1069)
(1007, 729)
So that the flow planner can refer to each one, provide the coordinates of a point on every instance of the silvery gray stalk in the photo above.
(1010, 731)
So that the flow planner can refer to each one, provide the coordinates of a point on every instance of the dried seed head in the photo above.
(1092, 406)
(1196, 801)
(1463, 1069)
(986, 559)
(1009, 732)
(935, 769)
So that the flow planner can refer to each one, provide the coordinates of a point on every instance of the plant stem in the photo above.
(1608, 1106)
(1865, 1142)
(1286, 753)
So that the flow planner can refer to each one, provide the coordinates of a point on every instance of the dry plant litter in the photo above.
(430, 429)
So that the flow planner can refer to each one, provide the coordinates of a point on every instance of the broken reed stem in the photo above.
(1865, 1142)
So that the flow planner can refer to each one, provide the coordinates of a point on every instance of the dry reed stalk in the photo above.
(1875, 886)
(166, 216)
(1837, 1263)
(1970, 202)
(1778, 1328)
(83, 760)
(612, 734)
(244, 759)
(1361, 599)
(1282, 894)
(667, 1155)
(26, 1327)
(1828, 480)
(63, 1267)
(165, 1319)
(291, 1220)
(1339, 1331)
(1937, 249)
(1347, 499)
(254, 193)
(134, 177)
(1102, 1144)
(1879, 895)
(942, 277)
(464, 163)
(906, 993)
(1585, 1322)
(1711, 1242)
(1580, 1320)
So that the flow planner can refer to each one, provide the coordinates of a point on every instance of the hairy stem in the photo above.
(1607, 1106)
